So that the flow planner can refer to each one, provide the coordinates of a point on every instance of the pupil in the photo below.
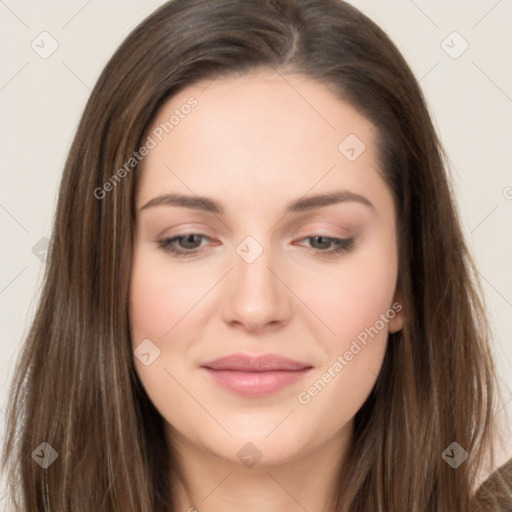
(326, 242)
(189, 239)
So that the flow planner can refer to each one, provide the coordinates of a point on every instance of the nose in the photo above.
(256, 296)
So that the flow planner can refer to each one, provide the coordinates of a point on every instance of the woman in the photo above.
(323, 347)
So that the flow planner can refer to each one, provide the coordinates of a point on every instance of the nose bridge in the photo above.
(252, 274)
(255, 297)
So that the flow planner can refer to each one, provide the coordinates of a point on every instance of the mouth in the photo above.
(251, 376)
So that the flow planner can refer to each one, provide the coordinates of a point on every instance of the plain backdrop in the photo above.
(459, 50)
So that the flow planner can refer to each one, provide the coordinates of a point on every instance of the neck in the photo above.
(206, 482)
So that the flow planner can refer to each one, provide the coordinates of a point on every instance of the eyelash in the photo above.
(342, 245)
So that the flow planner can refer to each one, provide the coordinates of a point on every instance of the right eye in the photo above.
(183, 245)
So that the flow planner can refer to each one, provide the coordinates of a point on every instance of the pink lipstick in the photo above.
(258, 376)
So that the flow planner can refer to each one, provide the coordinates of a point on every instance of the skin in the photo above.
(254, 144)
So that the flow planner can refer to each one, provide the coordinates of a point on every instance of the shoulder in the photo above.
(495, 493)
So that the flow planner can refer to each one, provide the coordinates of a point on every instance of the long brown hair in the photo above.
(76, 387)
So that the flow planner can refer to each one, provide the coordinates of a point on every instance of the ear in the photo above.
(397, 322)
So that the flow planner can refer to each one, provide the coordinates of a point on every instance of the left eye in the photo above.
(336, 245)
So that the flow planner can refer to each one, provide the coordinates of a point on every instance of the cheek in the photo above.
(149, 296)
(357, 307)
(169, 306)
(355, 301)
(352, 297)
(160, 300)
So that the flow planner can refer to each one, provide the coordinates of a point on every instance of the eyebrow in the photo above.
(300, 205)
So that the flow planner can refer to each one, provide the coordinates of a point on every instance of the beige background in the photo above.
(41, 101)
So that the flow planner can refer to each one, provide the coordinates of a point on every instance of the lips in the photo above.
(252, 376)
(247, 363)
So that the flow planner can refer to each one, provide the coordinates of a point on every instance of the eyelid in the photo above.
(325, 229)
(184, 229)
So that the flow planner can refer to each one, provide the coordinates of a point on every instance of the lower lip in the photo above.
(256, 384)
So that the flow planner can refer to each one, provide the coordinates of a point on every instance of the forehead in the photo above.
(258, 135)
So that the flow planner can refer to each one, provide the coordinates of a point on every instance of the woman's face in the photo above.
(292, 253)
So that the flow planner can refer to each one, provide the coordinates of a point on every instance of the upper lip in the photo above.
(264, 363)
